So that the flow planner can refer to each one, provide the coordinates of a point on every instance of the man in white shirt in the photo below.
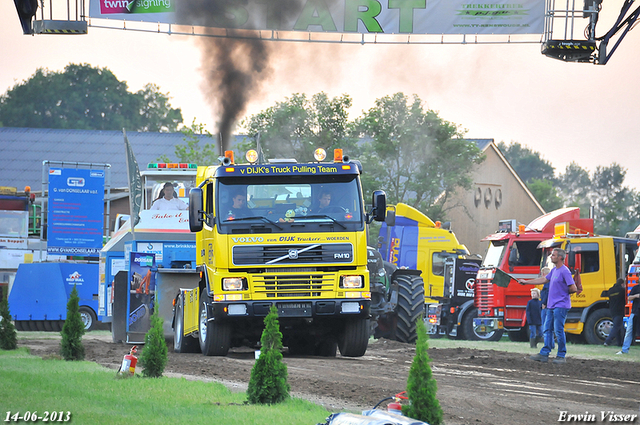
(166, 201)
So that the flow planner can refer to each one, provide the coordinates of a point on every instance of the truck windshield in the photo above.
(496, 250)
(277, 204)
(153, 185)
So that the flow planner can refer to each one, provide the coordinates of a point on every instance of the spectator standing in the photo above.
(561, 286)
(629, 336)
(534, 317)
(617, 301)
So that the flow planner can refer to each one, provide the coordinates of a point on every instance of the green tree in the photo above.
(193, 151)
(528, 164)
(615, 206)
(575, 186)
(86, 98)
(416, 156)
(296, 127)
(546, 193)
(154, 354)
(421, 386)
(8, 335)
(268, 383)
(612, 201)
(71, 347)
(537, 173)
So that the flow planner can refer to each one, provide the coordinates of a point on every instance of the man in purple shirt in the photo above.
(561, 286)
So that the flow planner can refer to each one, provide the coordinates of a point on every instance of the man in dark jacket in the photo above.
(617, 301)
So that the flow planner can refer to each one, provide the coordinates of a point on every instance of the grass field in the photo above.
(93, 395)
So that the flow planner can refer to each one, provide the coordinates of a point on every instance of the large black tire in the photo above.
(354, 340)
(521, 335)
(410, 307)
(470, 333)
(327, 347)
(597, 326)
(88, 317)
(214, 338)
(182, 343)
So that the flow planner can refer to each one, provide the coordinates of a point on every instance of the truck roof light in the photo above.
(521, 228)
(320, 154)
(252, 156)
(229, 154)
(438, 224)
(337, 155)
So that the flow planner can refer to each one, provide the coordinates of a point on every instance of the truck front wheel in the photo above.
(598, 326)
(182, 343)
(215, 338)
(354, 340)
(470, 332)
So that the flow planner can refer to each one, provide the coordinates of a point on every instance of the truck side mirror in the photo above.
(513, 256)
(379, 201)
(390, 219)
(195, 209)
(571, 260)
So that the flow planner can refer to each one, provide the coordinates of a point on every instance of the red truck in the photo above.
(514, 250)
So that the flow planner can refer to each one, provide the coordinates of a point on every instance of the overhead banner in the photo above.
(75, 218)
(337, 16)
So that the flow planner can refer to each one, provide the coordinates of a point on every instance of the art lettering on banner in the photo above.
(341, 16)
(142, 289)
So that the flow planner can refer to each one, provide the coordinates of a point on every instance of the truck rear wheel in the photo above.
(182, 343)
(470, 332)
(410, 307)
(88, 318)
(215, 338)
(354, 340)
(598, 326)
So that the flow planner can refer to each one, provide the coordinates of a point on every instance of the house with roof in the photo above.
(497, 193)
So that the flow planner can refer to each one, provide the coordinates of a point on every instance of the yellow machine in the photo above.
(600, 261)
(267, 236)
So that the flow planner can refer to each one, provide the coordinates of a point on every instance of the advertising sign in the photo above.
(76, 211)
(337, 16)
(142, 288)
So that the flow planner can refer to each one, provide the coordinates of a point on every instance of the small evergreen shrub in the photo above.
(71, 347)
(154, 354)
(268, 383)
(421, 386)
(8, 335)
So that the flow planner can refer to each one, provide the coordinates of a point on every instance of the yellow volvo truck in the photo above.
(280, 234)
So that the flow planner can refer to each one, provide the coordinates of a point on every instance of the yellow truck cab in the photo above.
(265, 237)
(600, 261)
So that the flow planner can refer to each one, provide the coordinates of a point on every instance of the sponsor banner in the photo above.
(142, 287)
(337, 16)
(75, 217)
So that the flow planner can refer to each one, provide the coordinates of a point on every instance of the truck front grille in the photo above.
(483, 294)
(293, 286)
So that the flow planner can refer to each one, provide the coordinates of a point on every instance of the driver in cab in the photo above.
(167, 200)
(324, 201)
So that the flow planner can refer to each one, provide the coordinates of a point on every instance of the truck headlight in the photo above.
(351, 282)
(232, 284)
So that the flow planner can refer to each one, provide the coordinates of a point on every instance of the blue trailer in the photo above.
(40, 292)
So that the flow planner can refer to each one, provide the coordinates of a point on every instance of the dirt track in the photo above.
(474, 386)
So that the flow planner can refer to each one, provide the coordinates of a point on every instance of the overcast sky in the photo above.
(566, 111)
